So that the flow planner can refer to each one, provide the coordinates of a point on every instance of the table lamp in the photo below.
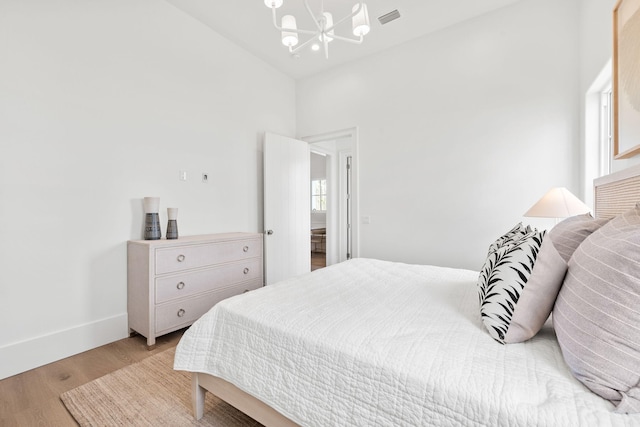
(558, 203)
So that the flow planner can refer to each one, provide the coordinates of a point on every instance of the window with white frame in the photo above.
(606, 126)
(319, 195)
(597, 145)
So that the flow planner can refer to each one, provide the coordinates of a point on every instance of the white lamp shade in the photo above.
(273, 3)
(558, 203)
(360, 21)
(328, 23)
(289, 38)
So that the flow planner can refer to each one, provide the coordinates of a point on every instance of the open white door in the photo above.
(287, 215)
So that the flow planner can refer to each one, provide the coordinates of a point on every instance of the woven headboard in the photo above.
(617, 192)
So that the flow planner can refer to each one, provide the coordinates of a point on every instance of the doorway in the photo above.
(337, 225)
(318, 176)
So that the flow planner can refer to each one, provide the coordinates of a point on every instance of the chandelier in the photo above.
(324, 33)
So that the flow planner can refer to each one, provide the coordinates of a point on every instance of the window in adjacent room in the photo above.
(319, 195)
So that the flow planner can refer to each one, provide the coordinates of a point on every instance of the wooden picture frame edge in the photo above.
(635, 150)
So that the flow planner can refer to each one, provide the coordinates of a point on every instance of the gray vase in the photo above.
(172, 229)
(152, 220)
(172, 226)
(152, 227)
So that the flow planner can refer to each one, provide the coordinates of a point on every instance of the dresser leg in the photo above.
(151, 343)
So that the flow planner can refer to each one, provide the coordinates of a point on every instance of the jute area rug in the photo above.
(147, 393)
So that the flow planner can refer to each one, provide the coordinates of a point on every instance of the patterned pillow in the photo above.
(537, 299)
(513, 235)
(597, 313)
(502, 279)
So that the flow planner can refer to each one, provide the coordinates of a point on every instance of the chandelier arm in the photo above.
(300, 46)
(313, 17)
(299, 31)
(346, 39)
(325, 42)
(360, 5)
(275, 20)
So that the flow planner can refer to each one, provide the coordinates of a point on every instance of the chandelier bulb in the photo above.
(289, 38)
(360, 21)
(328, 23)
(273, 3)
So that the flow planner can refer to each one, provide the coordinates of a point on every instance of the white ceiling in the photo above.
(248, 23)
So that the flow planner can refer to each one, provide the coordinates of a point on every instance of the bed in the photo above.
(370, 342)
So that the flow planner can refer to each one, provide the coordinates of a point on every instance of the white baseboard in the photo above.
(29, 354)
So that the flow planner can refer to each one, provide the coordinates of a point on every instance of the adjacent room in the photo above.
(339, 185)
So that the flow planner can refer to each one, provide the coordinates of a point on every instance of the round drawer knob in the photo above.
(180, 258)
(180, 285)
(246, 249)
(246, 270)
(181, 312)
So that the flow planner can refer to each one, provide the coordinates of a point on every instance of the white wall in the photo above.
(461, 131)
(318, 166)
(596, 38)
(101, 104)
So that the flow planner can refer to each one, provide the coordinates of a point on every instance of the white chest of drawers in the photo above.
(171, 283)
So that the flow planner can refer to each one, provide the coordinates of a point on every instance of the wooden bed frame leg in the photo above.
(197, 396)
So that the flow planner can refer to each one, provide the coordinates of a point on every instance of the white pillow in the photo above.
(513, 235)
(537, 299)
(502, 279)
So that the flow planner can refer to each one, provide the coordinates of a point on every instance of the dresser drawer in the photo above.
(172, 260)
(194, 282)
(174, 315)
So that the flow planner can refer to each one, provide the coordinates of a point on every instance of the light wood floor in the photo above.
(318, 260)
(33, 398)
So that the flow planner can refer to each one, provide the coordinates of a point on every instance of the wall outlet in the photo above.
(183, 175)
(205, 177)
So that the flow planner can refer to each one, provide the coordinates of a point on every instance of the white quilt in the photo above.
(375, 343)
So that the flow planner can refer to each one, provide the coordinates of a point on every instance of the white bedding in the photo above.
(369, 342)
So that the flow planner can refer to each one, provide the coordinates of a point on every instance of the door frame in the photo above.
(334, 219)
